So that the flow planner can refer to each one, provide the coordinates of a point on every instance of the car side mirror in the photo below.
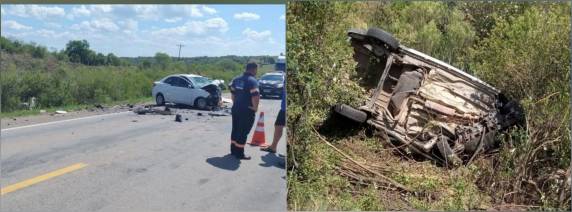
(190, 86)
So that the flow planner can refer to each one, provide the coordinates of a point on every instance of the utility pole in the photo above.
(180, 46)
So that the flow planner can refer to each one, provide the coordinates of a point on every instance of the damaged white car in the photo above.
(425, 105)
(187, 89)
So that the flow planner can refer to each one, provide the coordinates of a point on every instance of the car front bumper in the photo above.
(270, 91)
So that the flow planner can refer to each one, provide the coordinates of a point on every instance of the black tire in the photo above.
(384, 38)
(160, 99)
(201, 103)
(351, 113)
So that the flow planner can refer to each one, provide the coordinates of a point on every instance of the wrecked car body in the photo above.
(187, 89)
(427, 106)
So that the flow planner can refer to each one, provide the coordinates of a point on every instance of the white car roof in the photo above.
(274, 73)
(190, 75)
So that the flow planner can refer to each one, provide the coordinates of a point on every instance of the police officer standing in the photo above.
(245, 97)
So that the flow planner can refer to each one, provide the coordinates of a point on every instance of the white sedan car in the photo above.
(187, 89)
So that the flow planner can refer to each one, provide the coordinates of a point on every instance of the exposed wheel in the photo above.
(351, 113)
(383, 37)
(160, 100)
(201, 103)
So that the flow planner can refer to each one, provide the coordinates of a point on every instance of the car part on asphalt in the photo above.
(149, 110)
(430, 107)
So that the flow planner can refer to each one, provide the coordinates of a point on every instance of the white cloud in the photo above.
(103, 24)
(283, 17)
(48, 33)
(173, 20)
(15, 25)
(52, 25)
(246, 16)
(147, 11)
(81, 11)
(254, 35)
(101, 8)
(129, 26)
(39, 12)
(208, 10)
(192, 10)
(195, 27)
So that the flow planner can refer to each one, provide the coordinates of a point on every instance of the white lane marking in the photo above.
(67, 120)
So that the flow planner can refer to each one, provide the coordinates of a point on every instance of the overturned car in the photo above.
(429, 107)
(187, 89)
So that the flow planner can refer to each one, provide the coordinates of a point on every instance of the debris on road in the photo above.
(42, 111)
(218, 114)
(226, 100)
(178, 118)
(145, 110)
(61, 112)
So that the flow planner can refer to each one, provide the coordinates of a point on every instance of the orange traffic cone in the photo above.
(259, 138)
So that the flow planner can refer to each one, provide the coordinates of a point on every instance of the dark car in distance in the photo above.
(271, 84)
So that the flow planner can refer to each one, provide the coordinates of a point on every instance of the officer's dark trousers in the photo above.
(242, 121)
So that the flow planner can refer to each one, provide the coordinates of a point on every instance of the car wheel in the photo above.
(201, 103)
(351, 113)
(160, 100)
(384, 37)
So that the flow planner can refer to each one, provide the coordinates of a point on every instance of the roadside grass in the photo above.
(322, 186)
(69, 108)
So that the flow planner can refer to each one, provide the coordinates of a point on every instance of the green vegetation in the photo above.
(78, 76)
(520, 48)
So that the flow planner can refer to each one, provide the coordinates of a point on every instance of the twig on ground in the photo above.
(388, 180)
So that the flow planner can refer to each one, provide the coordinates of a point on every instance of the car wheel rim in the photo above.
(201, 103)
(160, 100)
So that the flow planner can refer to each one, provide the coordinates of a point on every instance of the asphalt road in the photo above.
(130, 162)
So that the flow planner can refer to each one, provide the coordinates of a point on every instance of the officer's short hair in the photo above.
(251, 66)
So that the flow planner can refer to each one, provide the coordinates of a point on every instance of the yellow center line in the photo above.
(41, 178)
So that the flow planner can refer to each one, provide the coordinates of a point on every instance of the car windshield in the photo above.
(200, 81)
(272, 77)
(280, 66)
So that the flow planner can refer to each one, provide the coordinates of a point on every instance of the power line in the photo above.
(180, 46)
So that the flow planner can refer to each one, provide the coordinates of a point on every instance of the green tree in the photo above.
(78, 51)
(100, 59)
(113, 60)
(39, 52)
(146, 64)
(162, 59)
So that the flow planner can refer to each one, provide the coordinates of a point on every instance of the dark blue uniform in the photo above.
(281, 118)
(243, 88)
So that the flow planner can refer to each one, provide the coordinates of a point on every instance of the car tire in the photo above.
(201, 103)
(160, 99)
(383, 37)
(351, 113)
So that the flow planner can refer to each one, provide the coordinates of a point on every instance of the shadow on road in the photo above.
(271, 159)
(228, 162)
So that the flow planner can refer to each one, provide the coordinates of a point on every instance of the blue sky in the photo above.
(143, 30)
